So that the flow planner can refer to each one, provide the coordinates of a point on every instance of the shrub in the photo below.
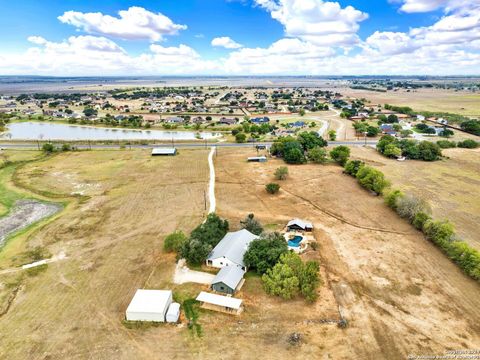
(420, 219)
(174, 241)
(372, 179)
(251, 224)
(264, 253)
(391, 199)
(439, 232)
(468, 144)
(408, 206)
(392, 151)
(317, 155)
(332, 135)
(48, 148)
(272, 188)
(340, 154)
(281, 173)
(445, 144)
(352, 167)
(240, 138)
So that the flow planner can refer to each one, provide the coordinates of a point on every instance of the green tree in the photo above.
(174, 241)
(372, 179)
(48, 148)
(203, 239)
(311, 139)
(392, 119)
(372, 131)
(264, 253)
(317, 155)
(429, 151)
(281, 173)
(281, 281)
(310, 280)
(251, 224)
(340, 154)
(468, 144)
(332, 135)
(302, 112)
(392, 197)
(391, 150)
(240, 138)
(293, 153)
(272, 188)
(352, 167)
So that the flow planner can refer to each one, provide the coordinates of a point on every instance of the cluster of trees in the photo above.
(471, 126)
(370, 178)
(467, 144)
(441, 233)
(51, 148)
(203, 239)
(424, 150)
(400, 109)
(293, 150)
(363, 127)
(283, 272)
(291, 276)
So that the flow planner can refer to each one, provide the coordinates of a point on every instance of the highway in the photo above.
(34, 145)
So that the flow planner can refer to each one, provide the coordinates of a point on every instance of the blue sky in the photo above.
(256, 37)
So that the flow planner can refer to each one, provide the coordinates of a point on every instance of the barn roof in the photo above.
(219, 300)
(150, 301)
(230, 276)
(233, 246)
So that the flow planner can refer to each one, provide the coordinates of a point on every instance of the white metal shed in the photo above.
(149, 305)
(173, 313)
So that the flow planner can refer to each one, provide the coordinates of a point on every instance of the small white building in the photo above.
(164, 151)
(173, 313)
(149, 305)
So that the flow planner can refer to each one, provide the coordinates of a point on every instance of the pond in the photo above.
(54, 131)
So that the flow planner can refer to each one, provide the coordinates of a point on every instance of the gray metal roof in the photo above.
(230, 276)
(300, 223)
(233, 246)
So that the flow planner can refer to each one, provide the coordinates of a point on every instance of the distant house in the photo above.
(388, 129)
(260, 120)
(230, 250)
(420, 117)
(298, 124)
(164, 152)
(442, 121)
(227, 121)
(228, 280)
(198, 120)
(297, 224)
(174, 120)
(220, 303)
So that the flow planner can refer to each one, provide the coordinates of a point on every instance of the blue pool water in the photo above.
(295, 242)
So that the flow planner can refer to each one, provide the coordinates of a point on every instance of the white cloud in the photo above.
(421, 6)
(226, 42)
(136, 23)
(391, 43)
(317, 21)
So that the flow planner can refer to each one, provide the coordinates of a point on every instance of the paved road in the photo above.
(178, 145)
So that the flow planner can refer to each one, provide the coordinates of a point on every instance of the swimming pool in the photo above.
(295, 242)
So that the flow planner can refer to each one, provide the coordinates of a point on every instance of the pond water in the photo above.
(54, 131)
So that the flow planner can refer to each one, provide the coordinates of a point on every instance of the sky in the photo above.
(239, 37)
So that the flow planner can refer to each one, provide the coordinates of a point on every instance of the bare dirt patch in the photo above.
(25, 213)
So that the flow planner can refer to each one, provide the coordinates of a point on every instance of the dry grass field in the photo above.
(436, 100)
(451, 187)
(398, 292)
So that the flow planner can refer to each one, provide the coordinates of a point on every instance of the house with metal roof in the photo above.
(297, 224)
(228, 280)
(164, 152)
(230, 250)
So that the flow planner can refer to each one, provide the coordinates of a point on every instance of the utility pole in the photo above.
(205, 199)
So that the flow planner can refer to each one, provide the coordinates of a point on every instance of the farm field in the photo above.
(398, 292)
(451, 187)
(436, 100)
